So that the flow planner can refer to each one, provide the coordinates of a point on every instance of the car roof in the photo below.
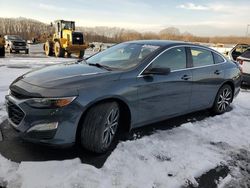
(164, 43)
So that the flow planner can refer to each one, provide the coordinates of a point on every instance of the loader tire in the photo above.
(48, 48)
(2, 52)
(59, 51)
(81, 54)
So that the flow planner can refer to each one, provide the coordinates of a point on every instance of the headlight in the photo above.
(50, 102)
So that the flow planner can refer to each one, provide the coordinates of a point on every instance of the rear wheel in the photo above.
(68, 54)
(59, 51)
(81, 54)
(48, 49)
(100, 127)
(2, 52)
(223, 99)
(27, 51)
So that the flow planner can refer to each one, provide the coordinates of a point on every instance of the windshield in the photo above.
(122, 56)
(67, 25)
(13, 37)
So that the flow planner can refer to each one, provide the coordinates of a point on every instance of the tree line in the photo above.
(29, 29)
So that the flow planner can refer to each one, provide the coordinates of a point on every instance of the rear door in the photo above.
(161, 96)
(208, 75)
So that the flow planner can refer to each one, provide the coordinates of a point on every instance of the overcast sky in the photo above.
(200, 17)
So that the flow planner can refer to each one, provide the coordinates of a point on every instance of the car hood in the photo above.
(70, 75)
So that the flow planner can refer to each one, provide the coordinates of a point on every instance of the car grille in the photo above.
(16, 115)
(77, 38)
(19, 43)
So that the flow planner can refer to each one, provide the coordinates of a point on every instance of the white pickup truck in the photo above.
(241, 54)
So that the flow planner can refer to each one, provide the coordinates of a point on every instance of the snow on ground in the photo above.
(166, 159)
(7, 75)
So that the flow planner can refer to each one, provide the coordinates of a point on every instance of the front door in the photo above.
(162, 96)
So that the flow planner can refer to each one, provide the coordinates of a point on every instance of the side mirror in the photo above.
(157, 71)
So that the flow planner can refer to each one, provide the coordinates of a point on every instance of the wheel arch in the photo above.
(125, 111)
(228, 82)
(231, 84)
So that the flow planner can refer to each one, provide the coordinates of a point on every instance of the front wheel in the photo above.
(100, 127)
(59, 51)
(223, 99)
(48, 49)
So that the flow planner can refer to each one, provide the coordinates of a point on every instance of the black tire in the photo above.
(48, 48)
(27, 51)
(100, 127)
(223, 99)
(81, 54)
(59, 51)
(2, 52)
(11, 51)
(68, 54)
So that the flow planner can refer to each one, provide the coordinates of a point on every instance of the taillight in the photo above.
(240, 61)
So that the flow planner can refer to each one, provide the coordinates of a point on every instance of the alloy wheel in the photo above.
(224, 99)
(111, 125)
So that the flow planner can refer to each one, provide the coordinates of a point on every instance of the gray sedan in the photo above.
(126, 86)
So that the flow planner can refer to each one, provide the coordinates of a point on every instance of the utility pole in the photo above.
(248, 25)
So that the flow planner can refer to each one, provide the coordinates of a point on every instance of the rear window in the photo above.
(218, 58)
(246, 54)
(201, 57)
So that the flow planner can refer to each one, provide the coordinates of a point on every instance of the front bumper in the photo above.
(67, 119)
(19, 47)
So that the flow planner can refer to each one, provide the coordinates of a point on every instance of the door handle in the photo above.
(186, 77)
(217, 72)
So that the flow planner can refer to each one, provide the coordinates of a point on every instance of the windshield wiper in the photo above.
(100, 66)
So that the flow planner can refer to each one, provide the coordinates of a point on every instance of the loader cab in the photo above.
(62, 25)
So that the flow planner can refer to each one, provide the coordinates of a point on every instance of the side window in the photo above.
(218, 58)
(174, 59)
(201, 57)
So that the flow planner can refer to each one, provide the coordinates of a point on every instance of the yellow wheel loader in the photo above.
(65, 41)
(2, 46)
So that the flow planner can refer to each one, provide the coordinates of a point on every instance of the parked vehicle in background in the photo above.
(65, 41)
(14, 43)
(222, 48)
(2, 49)
(237, 51)
(244, 61)
(124, 87)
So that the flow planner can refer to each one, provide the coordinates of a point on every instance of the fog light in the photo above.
(44, 127)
